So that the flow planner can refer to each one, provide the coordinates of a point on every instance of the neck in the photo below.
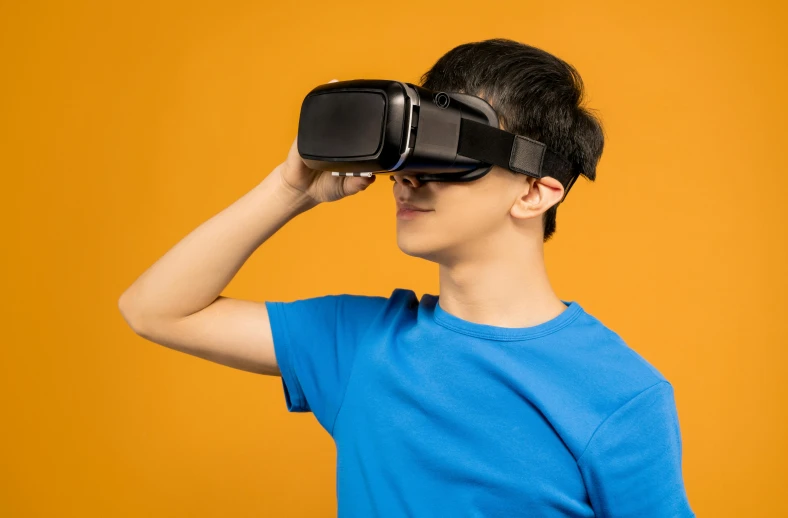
(509, 289)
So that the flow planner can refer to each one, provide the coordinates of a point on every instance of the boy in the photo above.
(496, 398)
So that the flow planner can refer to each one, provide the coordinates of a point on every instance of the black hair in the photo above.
(536, 95)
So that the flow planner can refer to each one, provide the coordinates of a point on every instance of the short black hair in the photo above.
(536, 95)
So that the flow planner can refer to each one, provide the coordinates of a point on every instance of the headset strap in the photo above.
(520, 154)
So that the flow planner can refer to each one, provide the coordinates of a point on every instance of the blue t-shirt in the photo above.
(435, 416)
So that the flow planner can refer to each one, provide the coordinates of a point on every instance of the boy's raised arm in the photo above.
(177, 301)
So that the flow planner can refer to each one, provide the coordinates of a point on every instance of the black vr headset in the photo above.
(371, 126)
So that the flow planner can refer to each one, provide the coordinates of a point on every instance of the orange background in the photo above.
(125, 125)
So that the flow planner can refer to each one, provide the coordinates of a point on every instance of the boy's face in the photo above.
(463, 220)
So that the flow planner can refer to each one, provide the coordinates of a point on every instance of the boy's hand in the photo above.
(320, 186)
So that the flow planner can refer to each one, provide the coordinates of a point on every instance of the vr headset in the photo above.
(370, 126)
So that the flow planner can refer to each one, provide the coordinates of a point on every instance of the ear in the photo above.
(538, 195)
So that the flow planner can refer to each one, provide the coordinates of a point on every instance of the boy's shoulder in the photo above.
(596, 372)
(603, 348)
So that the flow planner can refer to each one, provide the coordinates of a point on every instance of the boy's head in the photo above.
(536, 95)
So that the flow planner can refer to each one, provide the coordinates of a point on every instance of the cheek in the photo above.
(467, 217)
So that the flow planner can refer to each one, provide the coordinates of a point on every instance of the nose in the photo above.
(406, 179)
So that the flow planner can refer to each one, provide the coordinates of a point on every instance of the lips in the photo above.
(410, 206)
(408, 211)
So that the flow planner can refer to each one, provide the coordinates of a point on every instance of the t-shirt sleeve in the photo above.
(632, 464)
(315, 343)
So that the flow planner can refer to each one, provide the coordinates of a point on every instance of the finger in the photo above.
(355, 184)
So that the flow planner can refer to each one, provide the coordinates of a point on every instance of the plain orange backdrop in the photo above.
(125, 125)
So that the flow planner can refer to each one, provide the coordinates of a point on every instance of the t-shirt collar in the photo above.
(449, 321)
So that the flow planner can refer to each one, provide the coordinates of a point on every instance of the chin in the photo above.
(420, 246)
(409, 247)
